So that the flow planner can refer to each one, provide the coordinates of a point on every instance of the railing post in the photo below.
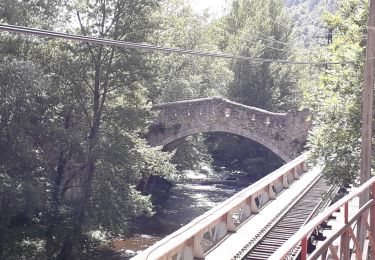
(221, 230)
(253, 206)
(304, 166)
(304, 248)
(324, 254)
(186, 254)
(246, 208)
(296, 175)
(230, 226)
(197, 248)
(345, 239)
(271, 192)
(285, 181)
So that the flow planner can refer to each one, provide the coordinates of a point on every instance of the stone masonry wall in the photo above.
(284, 134)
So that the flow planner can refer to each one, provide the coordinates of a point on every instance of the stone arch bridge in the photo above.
(284, 134)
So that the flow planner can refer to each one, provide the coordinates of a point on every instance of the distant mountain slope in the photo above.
(307, 17)
(313, 4)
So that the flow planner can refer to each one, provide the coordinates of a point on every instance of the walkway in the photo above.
(238, 240)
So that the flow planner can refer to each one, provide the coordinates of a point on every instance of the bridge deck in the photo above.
(234, 242)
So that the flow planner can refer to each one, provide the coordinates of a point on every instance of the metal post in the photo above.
(365, 166)
(304, 249)
(345, 239)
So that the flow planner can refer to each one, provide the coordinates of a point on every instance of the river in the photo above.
(189, 198)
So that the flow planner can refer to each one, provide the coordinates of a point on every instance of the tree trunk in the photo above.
(56, 203)
(66, 252)
(54, 218)
(79, 213)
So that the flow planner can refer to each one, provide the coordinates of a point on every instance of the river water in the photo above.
(189, 198)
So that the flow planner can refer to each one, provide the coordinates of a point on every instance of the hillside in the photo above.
(307, 15)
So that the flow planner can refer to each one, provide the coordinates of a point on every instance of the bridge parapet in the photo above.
(283, 133)
(187, 243)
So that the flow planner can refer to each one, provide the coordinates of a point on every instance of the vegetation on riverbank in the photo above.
(72, 115)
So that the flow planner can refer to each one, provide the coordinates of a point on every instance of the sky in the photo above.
(214, 6)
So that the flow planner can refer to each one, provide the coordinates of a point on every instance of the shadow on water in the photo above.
(188, 199)
(200, 191)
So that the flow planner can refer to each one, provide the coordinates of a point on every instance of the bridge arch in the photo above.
(251, 136)
(283, 134)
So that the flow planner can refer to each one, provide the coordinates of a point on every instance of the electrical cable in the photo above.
(102, 41)
(269, 39)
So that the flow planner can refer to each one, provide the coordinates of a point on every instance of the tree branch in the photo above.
(81, 102)
(71, 177)
(83, 33)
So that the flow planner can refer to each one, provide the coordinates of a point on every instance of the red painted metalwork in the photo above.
(304, 248)
(333, 252)
(345, 232)
(296, 217)
(344, 245)
(345, 239)
(357, 248)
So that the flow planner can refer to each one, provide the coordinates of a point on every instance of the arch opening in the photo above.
(227, 150)
(234, 131)
(237, 162)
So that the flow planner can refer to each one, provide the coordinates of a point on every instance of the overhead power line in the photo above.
(269, 39)
(145, 46)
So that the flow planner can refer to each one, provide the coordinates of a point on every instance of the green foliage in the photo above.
(310, 28)
(261, 29)
(71, 119)
(72, 114)
(25, 122)
(335, 99)
(46, 14)
(182, 77)
(190, 152)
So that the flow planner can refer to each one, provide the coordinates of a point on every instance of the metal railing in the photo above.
(363, 217)
(194, 239)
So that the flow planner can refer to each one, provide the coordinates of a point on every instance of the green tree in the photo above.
(182, 77)
(335, 100)
(85, 107)
(261, 29)
(307, 16)
(190, 152)
(29, 124)
(24, 103)
(108, 85)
